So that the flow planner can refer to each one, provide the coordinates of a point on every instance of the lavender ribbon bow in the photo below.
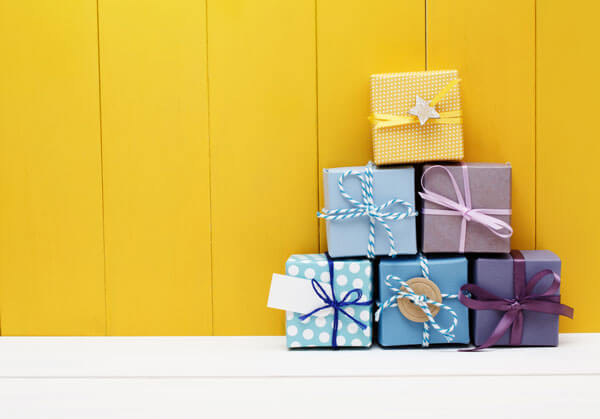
(525, 299)
(462, 207)
(337, 305)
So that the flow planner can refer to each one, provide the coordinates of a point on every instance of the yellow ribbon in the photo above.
(381, 120)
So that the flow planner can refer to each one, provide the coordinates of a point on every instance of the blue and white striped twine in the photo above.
(367, 207)
(404, 291)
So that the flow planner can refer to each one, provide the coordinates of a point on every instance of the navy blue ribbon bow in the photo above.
(338, 306)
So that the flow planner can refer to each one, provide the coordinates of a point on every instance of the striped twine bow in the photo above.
(367, 207)
(405, 291)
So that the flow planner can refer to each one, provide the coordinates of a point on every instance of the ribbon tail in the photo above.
(371, 244)
(487, 300)
(335, 329)
(443, 92)
(566, 311)
(516, 333)
(463, 235)
(503, 325)
(316, 310)
(550, 307)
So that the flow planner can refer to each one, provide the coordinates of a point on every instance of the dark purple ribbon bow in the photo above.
(337, 305)
(525, 299)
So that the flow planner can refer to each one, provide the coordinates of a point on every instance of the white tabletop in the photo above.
(258, 377)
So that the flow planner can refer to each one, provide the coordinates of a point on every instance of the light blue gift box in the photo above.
(350, 236)
(449, 274)
(317, 330)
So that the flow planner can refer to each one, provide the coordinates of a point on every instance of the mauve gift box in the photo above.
(490, 188)
(495, 274)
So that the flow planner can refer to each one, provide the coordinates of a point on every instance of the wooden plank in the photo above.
(51, 251)
(156, 167)
(567, 199)
(354, 40)
(263, 153)
(492, 44)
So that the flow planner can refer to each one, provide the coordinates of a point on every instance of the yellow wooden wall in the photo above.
(159, 161)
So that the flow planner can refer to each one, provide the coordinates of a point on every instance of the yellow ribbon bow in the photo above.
(381, 120)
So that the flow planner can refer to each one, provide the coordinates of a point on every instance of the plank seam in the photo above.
(102, 171)
(317, 123)
(535, 147)
(210, 183)
(426, 36)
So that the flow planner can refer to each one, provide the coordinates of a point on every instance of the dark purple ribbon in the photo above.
(525, 299)
(337, 305)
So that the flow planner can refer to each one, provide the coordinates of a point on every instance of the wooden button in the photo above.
(422, 286)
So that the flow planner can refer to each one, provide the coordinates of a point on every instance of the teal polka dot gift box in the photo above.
(351, 299)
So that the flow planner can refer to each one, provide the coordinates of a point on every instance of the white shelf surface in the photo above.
(176, 377)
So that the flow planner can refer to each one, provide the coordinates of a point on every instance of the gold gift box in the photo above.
(398, 135)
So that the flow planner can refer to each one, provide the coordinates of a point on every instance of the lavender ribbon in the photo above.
(337, 305)
(525, 299)
(462, 207)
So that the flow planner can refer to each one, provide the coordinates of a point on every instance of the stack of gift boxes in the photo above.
(398, 236)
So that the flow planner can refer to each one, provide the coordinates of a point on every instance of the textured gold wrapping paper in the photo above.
(395, 94)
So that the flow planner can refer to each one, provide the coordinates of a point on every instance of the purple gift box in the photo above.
(516, 299)
(466, 208)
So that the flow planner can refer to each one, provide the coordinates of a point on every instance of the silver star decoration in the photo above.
(423, 111)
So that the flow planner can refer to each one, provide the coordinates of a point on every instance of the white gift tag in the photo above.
(296, 294)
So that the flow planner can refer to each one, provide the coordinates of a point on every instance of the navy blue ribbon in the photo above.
(338, 306)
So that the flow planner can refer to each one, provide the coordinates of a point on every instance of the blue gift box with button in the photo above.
(358, 197)
(352, 280)
(418, 301)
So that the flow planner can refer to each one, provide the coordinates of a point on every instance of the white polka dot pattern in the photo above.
(292, 330)
(341, 280)
(395, 94)
(317, 331)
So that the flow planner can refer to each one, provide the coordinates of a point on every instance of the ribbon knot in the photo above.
(477, 298)
(367, 207)
(421, 301)
(372, 211)
(466, 212)
(351, 297)
(463, 207)
(515, 306)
